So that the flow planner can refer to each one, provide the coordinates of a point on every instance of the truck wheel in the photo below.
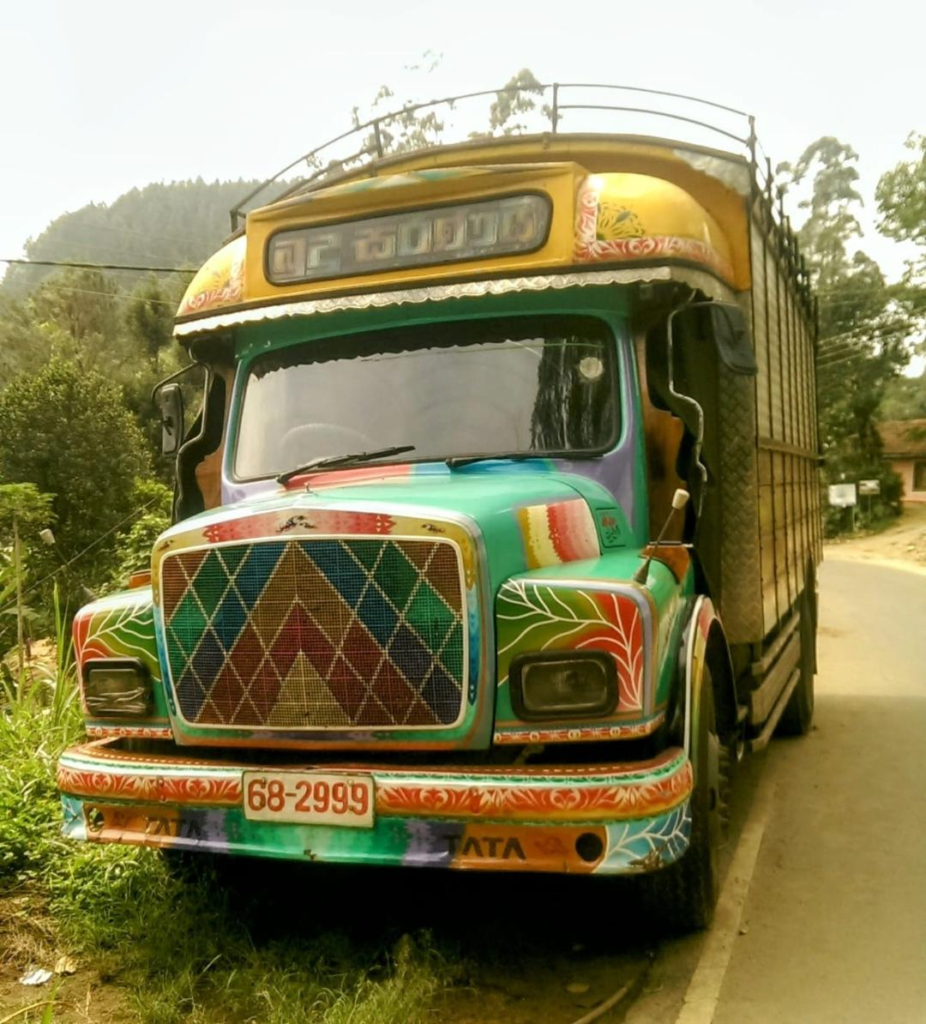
(798, 714)
(685, 893)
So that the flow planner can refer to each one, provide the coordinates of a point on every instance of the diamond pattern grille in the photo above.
(305, 633)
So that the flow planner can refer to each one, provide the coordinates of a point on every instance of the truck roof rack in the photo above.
(532, 108)
(527, 108)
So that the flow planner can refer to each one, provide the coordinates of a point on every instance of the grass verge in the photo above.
(183, 944)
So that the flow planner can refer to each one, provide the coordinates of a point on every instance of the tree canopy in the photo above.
(901, 198)
(864, 328)
(67, 431)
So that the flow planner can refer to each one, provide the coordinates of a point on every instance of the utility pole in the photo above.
(20, 632)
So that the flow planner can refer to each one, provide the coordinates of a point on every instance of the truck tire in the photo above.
(683, 895)
(798, 713)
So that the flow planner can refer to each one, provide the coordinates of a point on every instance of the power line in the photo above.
(834, 355)
(99, 266)
(115, 296)
(862, 334)
(833, 361)
(841, 359)
(856, 301)
(852, 344)
(66, 565)
(846, 350)
(862, 337)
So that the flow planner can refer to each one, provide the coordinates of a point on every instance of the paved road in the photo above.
(834, 923)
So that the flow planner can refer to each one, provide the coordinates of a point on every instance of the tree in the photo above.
(901, 198)
(134, 544)
(78, 312)
(150, 318)
(70, 434)
(24, 510)
(831, 223)
(23, 345)
(904, 399)
(509, 104)
(404, 129)
(862, 330)
(82, 317)
(152, 354)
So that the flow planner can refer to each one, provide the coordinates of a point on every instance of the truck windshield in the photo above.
(510, 386)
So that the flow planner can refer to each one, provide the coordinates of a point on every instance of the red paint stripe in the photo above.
(343, 477)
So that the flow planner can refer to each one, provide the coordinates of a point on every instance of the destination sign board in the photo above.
(443, 234)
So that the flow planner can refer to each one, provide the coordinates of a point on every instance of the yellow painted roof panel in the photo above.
(612, 204)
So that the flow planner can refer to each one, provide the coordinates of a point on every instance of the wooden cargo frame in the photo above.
(784, 327)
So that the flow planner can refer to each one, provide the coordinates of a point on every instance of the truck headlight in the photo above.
(117, 687)
(564, 684)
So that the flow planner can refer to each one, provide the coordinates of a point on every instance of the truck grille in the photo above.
(316, 634)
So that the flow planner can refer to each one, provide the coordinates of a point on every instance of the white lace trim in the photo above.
(469, 289)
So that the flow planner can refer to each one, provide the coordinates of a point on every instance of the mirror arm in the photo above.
(172, 377)
(692, 404)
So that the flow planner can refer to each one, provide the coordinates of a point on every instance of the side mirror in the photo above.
(731, 336)
(727, 327)
(170, 401)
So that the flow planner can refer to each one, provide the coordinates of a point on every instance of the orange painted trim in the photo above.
(140, 732)
(536, 803)
(461, 794)
(516, 733)
(202, 790)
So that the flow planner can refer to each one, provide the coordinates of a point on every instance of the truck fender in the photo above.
(704, 642)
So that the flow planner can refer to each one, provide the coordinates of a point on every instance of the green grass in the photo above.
(186, 945)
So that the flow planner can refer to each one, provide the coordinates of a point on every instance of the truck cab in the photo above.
(495, 531)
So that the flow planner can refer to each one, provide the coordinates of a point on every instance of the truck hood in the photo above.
(283, 608)
(510, 508)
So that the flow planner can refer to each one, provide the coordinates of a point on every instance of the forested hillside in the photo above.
(80, 351)
(176, 225)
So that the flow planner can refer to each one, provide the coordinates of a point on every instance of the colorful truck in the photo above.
(496, 531)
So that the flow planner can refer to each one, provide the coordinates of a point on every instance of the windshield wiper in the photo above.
(466, 460)
(326, 461)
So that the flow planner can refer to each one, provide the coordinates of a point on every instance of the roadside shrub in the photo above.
(133, 545)
(39, 717)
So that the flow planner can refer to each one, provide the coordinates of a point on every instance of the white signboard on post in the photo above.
(843, 495)
(869, 486)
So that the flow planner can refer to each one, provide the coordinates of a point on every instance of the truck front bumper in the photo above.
(608, 819)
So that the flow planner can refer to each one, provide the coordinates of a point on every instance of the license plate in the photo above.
(309, 798)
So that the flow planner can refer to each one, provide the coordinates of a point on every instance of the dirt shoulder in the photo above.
(79, 994)
(901, 546)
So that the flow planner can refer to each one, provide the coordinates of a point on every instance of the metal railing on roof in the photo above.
(535, 109)
(531, 108)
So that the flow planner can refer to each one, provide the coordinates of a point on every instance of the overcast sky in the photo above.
(99, 97)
